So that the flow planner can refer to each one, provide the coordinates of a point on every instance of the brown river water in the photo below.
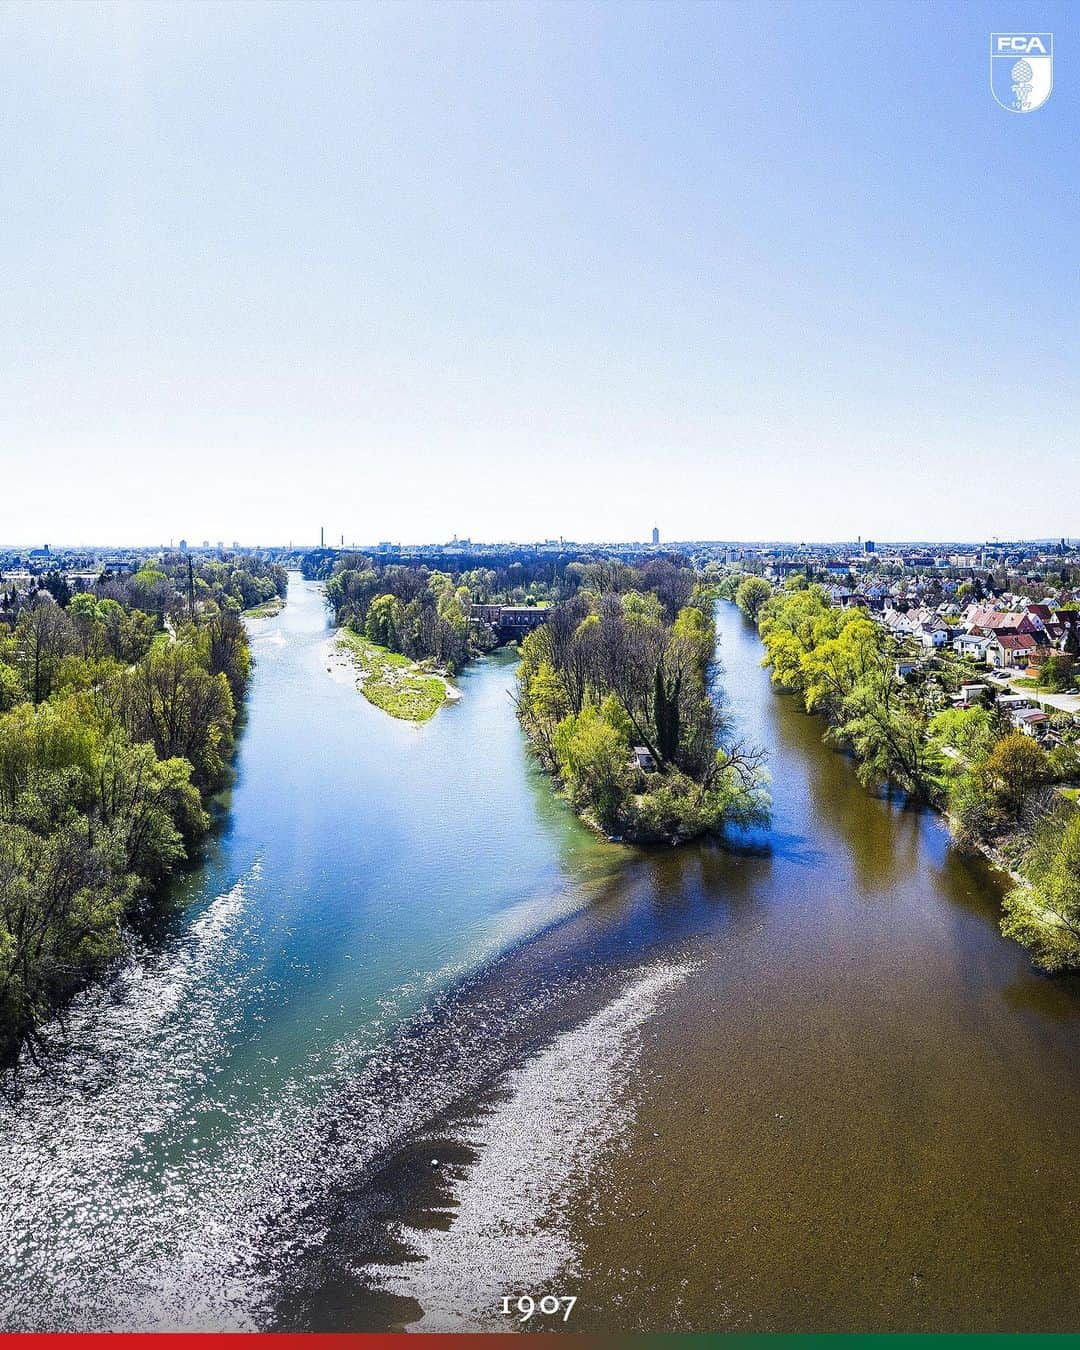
(412, 1042)
(830, 1097)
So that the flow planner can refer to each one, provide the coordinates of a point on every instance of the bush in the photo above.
(1045, 915)
(593, 759)
(671, 808)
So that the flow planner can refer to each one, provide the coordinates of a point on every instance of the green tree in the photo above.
(593, 758)
(1056, 672)
(544, 704)
(44, 638)
(384, 621)
(1012, 770)
(751, 595)
(62, 895)
(182, 710)
(889, 741)
(1044, 916)
(666, 714)
(10, 687)
(969, 731)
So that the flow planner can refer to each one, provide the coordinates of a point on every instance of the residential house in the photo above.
(1011, 651)
(969, 694)
(972, 644)
(1031, 721)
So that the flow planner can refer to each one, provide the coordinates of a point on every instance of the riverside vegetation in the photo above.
(391, 681)
(117, 713)
(405, 628)
(999, 788)
(626, 661)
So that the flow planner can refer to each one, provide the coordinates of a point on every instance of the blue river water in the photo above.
(364, 864)
(410, 1039)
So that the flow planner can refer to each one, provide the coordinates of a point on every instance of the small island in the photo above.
(410, 628)
(398, 686)
(266, 609)
(620, 700)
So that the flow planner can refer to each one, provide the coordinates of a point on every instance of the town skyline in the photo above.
(329, 541)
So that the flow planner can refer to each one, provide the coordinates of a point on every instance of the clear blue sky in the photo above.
(521, 270)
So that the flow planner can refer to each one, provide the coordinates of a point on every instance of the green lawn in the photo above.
(393, 682)
(1022, 682)
(267, 609)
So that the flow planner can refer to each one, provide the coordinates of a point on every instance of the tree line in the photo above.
(420, 613)
(626, 661)
(997, 785)
(116, 728)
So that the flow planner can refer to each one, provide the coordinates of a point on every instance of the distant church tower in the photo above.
(655, 535)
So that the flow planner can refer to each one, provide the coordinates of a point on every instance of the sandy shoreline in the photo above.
(342, 666)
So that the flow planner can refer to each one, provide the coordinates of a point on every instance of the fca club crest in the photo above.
(1021, 69)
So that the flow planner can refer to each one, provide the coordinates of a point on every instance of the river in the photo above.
(411, 1040)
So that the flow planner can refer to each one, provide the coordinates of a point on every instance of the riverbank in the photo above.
(405, 689)
(106, 788)
(267, 609)
(997, 786)
(808, 1050)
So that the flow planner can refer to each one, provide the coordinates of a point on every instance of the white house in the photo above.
(969, 694)
(933, 632)
(1031, 721)
(971, 644)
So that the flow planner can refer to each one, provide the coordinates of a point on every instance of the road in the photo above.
(1069, 703)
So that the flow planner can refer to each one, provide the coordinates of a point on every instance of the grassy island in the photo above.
(391, 681)
(409, 629)
(267, 609)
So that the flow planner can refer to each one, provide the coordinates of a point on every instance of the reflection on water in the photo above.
(797, 1082)
(367, 864)
(864, 1106)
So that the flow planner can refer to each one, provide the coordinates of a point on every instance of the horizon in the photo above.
(182, 544)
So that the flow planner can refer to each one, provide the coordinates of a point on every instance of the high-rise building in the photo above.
(655, 535)
(869, 546)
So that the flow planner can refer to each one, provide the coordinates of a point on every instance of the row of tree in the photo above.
(419, 613)
(996, 784)
(116, 727)
(626, 663)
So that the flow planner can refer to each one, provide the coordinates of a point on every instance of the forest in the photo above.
(419, 613)
(619, 697)
(118, 707)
